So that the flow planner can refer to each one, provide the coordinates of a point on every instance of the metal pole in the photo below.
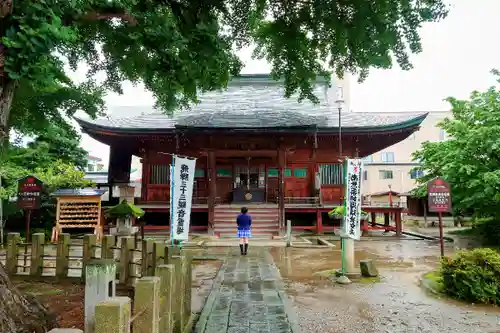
(342, 239)
(441, 236)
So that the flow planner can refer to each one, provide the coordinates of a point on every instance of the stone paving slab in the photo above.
(248, 297)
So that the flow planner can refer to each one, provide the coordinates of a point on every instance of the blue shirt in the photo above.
(244, 221)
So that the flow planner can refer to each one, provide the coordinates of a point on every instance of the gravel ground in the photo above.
(396, 304)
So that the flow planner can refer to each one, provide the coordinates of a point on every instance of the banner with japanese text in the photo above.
(352, 215)
(181, 187)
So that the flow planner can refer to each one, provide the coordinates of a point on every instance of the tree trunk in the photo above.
(20, 313)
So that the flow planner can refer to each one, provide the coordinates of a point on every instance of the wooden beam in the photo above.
(281, 187)
(212, 189)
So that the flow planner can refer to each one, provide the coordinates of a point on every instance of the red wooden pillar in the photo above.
(281, 188)
(319, 222)
(212, 190)
(399, 224)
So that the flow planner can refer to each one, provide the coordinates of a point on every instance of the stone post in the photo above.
(99, 286)
(187, 282)
(65, 330)
(147, 305)
(350, 264)
(113, 315)
(107, 247)
(160, 254)
(126, 254)
(12, 250)
(167, 292)
(147, 254)
(89, 250)
(62, 255)
(180, 313)
(36, 258)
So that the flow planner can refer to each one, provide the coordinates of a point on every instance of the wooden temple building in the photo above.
(277, 156)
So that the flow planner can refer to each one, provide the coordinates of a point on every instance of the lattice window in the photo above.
(159, 174)
(332, 174)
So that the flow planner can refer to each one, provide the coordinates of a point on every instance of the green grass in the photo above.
(467, 232)
(369, 280)
(433, 281)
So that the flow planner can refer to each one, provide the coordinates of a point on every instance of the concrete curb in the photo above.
(200, 324)
(325, 242)
(287, 304)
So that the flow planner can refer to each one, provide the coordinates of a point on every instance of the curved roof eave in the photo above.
(93, 127)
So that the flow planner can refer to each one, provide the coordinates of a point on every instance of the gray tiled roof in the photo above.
(257, 105)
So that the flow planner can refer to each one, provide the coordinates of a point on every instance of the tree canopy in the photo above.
(51, 144)
(470, 158)
(178, 48)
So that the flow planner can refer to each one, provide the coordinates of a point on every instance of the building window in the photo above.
(385, 174)
(365, 174)
(159, 174)
(415, 174)
(199, 173)
(90, 167)
(300, 172)
(332, 174)
(387, 157)
(368, 159)
(442, 135)
(224, 172)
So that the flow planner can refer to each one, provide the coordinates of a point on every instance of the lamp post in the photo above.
(340, 104)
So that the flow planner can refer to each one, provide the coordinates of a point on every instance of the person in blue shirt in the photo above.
(244, 222)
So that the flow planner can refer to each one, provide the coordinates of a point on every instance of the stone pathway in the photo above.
(248, 297)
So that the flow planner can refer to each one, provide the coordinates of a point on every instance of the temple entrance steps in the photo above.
(264, 220)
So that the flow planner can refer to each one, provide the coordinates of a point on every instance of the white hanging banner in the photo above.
(181, 197)
(353, 199)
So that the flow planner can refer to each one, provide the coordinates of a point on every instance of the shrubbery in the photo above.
(489, 230)
(473, 276)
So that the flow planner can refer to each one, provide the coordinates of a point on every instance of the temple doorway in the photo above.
(249, 183)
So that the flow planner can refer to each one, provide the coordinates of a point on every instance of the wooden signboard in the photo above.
(439, 201)
(29, 192)
(439, 196)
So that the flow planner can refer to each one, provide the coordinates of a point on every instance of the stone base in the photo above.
(350, 275)
(343, 280)
(123, 231)
(368, 268)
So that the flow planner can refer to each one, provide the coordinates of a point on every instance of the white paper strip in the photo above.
(182, 196)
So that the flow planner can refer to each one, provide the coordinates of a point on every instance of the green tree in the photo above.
(470, 158)
(53, 143)
(177, 48)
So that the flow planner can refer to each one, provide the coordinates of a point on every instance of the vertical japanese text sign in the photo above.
(439, 196)
(29, 191)
(352, 194)
(183, 179)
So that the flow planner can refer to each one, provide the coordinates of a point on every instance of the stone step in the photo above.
(254, 220)
(254, 228)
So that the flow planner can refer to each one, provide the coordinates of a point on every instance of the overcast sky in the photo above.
(458, 54)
